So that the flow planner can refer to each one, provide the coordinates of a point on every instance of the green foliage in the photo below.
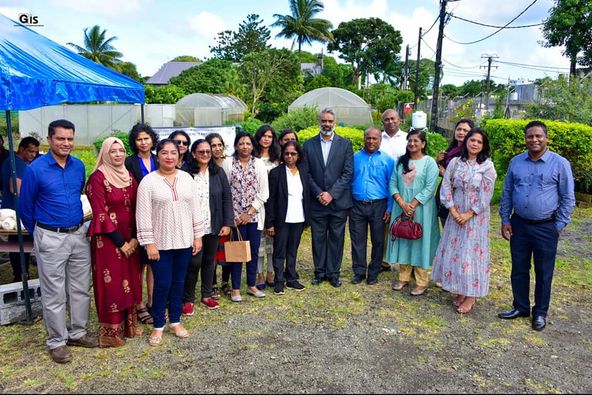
(564, 100)
(426, 77)
(318, 81)
(436, 143)
(382, 96)
(251, 36)
(185, 58)
(464, 110)
(450, 90)
(570, 26)
(250, 125)
(302, 26)
(573, 141)
(123, 136)
(212, 76)
(273, 80)
(129, 69)
(339, 74)
(165, 94)
(298, 119)
(98, 48)
(88, 157)
(370, 45)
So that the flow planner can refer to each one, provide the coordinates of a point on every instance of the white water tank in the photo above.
(419, 120)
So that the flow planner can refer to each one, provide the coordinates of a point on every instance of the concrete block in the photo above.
(12, 301)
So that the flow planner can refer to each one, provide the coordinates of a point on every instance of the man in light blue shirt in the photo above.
(537, 202)
(372, 206)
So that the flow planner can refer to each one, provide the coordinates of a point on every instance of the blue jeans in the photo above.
(248, 232)
(169, 284)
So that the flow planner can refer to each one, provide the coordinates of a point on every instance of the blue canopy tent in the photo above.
(37, 72)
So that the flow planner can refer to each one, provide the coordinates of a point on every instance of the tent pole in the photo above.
(142, 112)
(24, 272)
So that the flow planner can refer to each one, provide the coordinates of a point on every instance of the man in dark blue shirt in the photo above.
(52, 211)
(28, 150)
(372, 205)
(537, 202)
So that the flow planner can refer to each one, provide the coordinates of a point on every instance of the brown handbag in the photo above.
(404, 227)
(237, 251)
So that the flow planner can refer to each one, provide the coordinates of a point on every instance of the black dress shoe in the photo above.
(336, 283)
(372, 281)
(357, 278)
(512, 313)
(538, 323)
(317, 281)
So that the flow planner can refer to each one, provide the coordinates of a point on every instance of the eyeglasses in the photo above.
(290, 153)
(182, 142)
(204, 153)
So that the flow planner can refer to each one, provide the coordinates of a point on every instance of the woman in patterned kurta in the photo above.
(462, 261)
(111, 191)
(412, 186)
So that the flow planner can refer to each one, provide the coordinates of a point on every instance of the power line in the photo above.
(494, 26)
(494, 33)
(445, 61)
(534, 65)
(433, 24)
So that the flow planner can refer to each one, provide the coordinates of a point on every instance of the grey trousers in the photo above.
(64, 266)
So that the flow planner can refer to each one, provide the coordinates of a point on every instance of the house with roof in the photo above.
(170, 70)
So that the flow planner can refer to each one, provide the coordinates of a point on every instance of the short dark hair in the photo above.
(133, 135)
(59, 123)
(533, 124)
(481, 156)
(160, 145)
(239, 136)
(287, 131)
(28, 141)
(298, 148)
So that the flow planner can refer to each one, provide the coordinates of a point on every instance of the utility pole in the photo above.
(489, 61)
(438, 66)
(405, 81)
(417, 71)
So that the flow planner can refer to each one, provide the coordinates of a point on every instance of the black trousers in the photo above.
(285, 249)
(536, 242)
(328, 237)
(204, 261)
(15, 258)
(362, 216)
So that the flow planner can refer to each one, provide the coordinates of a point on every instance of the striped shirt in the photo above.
(169, 214)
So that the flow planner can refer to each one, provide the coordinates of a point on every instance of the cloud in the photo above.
(110, 8)
(339, 11)
(206, 24)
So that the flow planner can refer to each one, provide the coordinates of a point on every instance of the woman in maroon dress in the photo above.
(111, 191)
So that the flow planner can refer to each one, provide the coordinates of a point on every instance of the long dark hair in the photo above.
(239, 136)
(274, 148)
(481, 156)
(404, 160)
(213, 168)
(453, 142)
(298, 149)
(174, 134)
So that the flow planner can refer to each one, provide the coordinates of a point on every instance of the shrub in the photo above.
(123, 136)
(297, 120)
(250, 125)
(573, 141)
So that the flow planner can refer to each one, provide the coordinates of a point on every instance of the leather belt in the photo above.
(537, 221)
(70, 229)
(370, 202)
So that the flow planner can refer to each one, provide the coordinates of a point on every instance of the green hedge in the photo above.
(123, 136)
(570, 140)
(436, 142)
(297, 120)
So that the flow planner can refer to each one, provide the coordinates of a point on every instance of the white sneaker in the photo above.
(258, 294)
(236, 298)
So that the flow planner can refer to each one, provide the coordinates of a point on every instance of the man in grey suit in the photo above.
(330, 164)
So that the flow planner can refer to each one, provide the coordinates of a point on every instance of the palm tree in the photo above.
(97, 48)
(301, 25)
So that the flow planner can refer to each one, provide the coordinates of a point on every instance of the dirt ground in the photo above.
(356, 339)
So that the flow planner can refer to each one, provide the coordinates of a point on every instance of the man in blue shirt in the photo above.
(28, 150)
(52, 212)
(372, 206)
(537, 201)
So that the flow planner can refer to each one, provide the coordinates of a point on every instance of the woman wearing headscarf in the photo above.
(111, 191)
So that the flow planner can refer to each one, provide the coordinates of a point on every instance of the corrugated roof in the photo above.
(170, 70)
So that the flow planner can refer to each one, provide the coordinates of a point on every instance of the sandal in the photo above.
(399, 285)
(458, 300)
(155, 340)
(144, 316)
(225, 288)
(417, 291)
(467, 305)
(180, 333)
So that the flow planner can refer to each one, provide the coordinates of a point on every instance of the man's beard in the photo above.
(327, 132)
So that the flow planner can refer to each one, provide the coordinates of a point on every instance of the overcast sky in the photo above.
(152, 32)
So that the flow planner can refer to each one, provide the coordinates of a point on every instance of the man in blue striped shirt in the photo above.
(372, 206)
(537, 201)
(52, 212)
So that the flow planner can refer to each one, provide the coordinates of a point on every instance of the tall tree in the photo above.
(570, 25)
(369, 44)
(129, 69)
(212, 76)
(98, 48)
(302, 26)
(426, 76)
(251, 36)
